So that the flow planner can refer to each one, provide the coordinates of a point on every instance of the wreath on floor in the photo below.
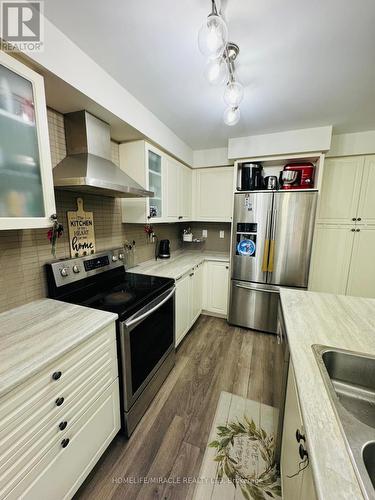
(265, 485)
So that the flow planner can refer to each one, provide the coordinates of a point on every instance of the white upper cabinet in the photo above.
(26, 187)
(213, 194)
(340, 190)
(156, 171)
(145, 164)
(361, 281)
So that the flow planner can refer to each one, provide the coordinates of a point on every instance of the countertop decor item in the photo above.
(213, 43)
(81, 231)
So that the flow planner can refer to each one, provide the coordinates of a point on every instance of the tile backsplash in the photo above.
(213, 242)
(23, 253)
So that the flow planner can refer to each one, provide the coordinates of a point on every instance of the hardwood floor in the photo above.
(169, 443)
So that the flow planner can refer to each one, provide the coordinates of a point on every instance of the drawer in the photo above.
(23, 398)
(61, 471)
(25, 441)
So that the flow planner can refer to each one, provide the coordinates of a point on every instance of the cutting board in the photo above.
(81, 231)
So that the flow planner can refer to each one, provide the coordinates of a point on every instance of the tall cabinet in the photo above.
(344, 243)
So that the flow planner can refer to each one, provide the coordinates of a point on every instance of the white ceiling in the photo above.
(303, 63)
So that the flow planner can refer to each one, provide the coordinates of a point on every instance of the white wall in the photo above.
(289, 142)
(215, 157)
(66, 60)
(358, 143)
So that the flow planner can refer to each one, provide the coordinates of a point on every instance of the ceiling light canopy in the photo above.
(221, 54)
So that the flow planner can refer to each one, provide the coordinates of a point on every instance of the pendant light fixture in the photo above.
(213, 43)
(213, 35)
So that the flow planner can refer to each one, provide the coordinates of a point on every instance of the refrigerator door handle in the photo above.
(272, 243)
(249, 287)
(266, 246)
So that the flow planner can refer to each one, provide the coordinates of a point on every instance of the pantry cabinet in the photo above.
(213, 194)
(294, 486)
(170, 180)
(27, 197)
(344, 240)
(216, 282)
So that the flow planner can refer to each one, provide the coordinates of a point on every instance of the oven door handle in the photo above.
(136, 319)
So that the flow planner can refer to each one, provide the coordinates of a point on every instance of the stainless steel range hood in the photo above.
(88, 166)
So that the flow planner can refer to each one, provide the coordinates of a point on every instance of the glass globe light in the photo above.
(216, 71)
(213, 37)
(232, 116)
(233, 94)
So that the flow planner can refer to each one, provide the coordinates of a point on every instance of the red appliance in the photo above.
(304, 178)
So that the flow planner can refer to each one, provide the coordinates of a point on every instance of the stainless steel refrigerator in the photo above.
(271, 247)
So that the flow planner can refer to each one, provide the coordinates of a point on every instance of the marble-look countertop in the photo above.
(36, 334)
(179, 263)
(335, 321)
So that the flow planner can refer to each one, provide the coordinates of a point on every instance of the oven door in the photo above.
(146, 339)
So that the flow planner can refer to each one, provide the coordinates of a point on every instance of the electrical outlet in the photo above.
(221, 234)
(204, 233)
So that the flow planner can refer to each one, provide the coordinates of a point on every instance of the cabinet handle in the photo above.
(352, 230)
(354, 218)
(359, 218)
(302, 452)
(299, 436)
(180, 217)
(226, 267)
(357, 230)
(62, 425)
(56, 375)
(191, 274)
(59, 401)
(65, 442)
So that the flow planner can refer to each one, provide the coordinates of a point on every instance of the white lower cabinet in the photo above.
(216, 282)
(54, 427)
(294, 486)
(191, 290)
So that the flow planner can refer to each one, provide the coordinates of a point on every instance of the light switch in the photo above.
(204, 233)
(221, 234)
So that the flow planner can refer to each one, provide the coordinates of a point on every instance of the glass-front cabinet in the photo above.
(155, 184)
(26, 186)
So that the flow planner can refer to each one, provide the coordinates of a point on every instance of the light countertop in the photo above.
(36, 334)
(335, 321)
(179, 263)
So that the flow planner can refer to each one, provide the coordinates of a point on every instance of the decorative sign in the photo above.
(81, 231)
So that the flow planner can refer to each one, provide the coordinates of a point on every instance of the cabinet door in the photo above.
(183, 307)
(362, 269)
(216, 287)
(340, 190)
(197, 292)
(185, 193)
(331, 256)
(213, 194)
(172, 194)
(366, 210)
(155, 205)
(27, 197)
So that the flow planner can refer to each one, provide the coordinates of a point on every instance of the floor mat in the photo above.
(239, 460)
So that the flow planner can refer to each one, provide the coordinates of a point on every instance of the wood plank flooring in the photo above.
(164, 454)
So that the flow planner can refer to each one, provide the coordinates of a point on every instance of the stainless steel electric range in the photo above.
(145, 326)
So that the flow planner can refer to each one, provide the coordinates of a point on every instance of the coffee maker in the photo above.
(251, 177)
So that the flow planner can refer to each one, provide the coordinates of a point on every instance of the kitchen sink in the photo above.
(350, 381)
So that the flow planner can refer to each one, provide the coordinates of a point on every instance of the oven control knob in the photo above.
(121, 256)
(76, 269)
(64, 272)
(114, 258)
